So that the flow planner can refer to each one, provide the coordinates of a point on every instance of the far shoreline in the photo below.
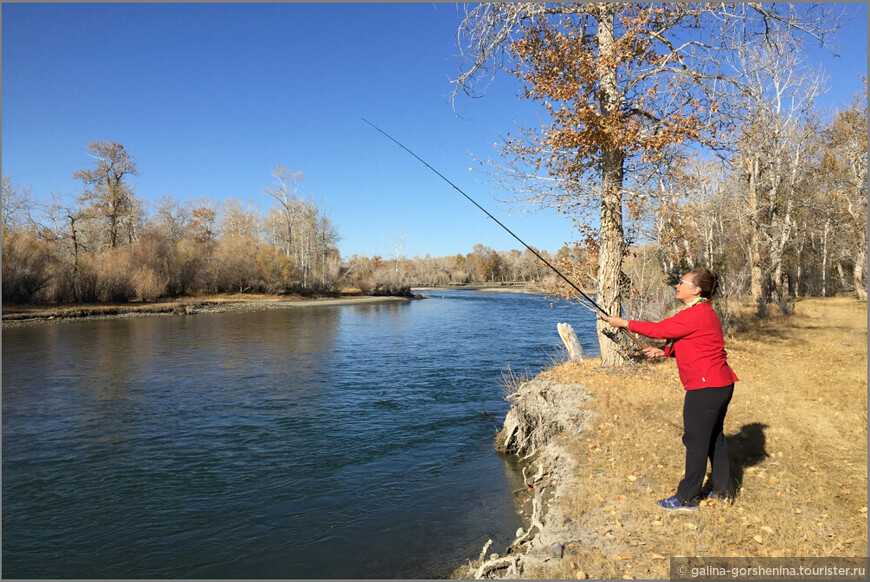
(529, 288)
(19, 315)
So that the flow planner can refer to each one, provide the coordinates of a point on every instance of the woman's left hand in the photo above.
(653, 352)
(615, 321)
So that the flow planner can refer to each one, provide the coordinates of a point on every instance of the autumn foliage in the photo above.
(105, 247)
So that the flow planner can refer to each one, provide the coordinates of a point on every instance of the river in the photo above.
(319, 442)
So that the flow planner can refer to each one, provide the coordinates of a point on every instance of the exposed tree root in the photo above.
(540, 411)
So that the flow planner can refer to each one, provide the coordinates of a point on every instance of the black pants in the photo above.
(703, 417)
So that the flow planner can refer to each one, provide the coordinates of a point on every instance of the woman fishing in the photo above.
(695, 338)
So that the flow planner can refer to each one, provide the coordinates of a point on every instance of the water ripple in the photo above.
(325, 442)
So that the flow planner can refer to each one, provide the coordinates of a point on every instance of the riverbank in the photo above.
(18, 315)
(529, 288)
(797, 438)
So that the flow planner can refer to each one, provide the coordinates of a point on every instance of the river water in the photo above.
(316, 442)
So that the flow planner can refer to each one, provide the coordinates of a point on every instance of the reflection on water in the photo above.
(298, 443)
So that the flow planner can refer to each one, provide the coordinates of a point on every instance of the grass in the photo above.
(511, 381)
(797, 437)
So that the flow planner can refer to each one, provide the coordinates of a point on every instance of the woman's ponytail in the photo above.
(707, 280)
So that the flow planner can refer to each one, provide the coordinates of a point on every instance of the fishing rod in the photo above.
(509, 231)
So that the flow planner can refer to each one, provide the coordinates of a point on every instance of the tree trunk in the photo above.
(842, 275)
(572, 343)
(754, 232)
(75, 241)
(826, 230)
(610, 234)
(858, 272)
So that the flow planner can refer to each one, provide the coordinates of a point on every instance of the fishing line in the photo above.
(509, 231)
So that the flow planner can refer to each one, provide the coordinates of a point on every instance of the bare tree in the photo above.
(285, 192)
(110, 196)
(845, 163)
(398, 246)
(779, 139)
(15, 205)
(173, 218)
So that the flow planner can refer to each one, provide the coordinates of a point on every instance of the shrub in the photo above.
(27, 265)
(185, 268)
(275, 269)
(236, 265)
(74, 284)
(148, 285)
(114, 279)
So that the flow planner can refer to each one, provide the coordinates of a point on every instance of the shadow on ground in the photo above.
(746, 448)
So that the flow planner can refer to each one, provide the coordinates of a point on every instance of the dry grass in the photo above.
(797, 437)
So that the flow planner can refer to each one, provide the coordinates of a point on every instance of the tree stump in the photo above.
(572, 344)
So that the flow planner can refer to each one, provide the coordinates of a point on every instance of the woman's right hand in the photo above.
(652, 352)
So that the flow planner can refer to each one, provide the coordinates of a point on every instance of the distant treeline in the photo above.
(105, 247)
(793, 226)
(482, 265)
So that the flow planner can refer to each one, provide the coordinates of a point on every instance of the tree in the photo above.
(289, 208)
(67, 233)
(202, 223)
(625, 86)
(110, 197)
(779, 138)
(236, 252)
(398, 246)
(173, 218)
(845, 162)
(15, 204)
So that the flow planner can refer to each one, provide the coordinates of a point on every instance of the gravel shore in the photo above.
(21, 315)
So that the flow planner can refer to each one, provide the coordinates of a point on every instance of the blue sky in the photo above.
(210, 98)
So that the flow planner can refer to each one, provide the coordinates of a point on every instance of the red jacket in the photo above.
(698, 346)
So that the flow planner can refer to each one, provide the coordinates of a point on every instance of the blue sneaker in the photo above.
(674, 504)
(725, 498)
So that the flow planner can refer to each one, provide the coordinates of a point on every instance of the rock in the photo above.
(642, 482)
(556, 550)
(520, 532)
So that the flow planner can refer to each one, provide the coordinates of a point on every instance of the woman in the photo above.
(695, 338)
